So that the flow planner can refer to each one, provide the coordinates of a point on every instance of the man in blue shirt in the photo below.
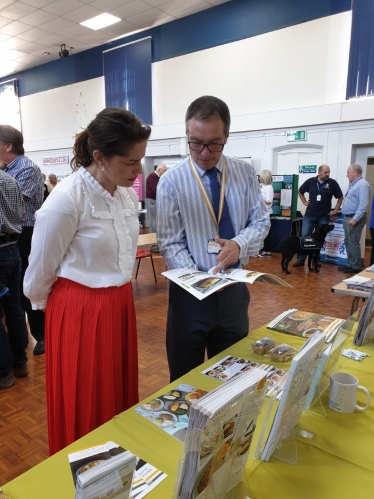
(30, 181)
(354, 210)
(321, 190)
(195, 231)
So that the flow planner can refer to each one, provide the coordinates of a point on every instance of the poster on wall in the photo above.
(333, 250)
(138, 187)
(9, 104)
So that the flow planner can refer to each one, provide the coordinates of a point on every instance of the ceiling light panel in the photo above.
(100, 21)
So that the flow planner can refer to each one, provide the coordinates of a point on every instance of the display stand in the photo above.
(365, 329)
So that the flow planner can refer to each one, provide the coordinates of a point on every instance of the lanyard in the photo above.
(320, 189)
(205, 195)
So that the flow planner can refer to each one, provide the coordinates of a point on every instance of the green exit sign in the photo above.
(307, 168)
(295, 135)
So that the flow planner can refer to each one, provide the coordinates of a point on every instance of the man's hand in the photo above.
(352, 222)
(332, 213)
(228, 255)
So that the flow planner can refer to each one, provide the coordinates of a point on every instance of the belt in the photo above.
(353, 214)
(8, 238)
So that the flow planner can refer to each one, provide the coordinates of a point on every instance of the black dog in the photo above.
(307, 245)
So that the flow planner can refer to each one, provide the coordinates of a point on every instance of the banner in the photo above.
(333, 250)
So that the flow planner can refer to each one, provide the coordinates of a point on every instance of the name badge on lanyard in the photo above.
(213, 246)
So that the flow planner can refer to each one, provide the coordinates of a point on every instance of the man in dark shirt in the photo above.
(30, 181)
(321, 190)
(13, 334)
(150, 194)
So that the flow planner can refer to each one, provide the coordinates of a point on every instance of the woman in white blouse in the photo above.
(86, 236)
(267, 194)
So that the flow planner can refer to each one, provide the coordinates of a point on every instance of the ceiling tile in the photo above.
(4, 21)
(74, 31)
(176, 6)
(11, 67)
(155, 3)
(33, 34)
(120, 28)
(93, 36)
(11, 55)
(29, 47)
(57, 25)
(130, 9)
(38, 17)
(190, 10)
(16, 10)
(107, 5)
(82, 14)
(59, 8)
(15, 28)
(164, 20)
(217, 2)
(31, 59)
(146, 18)
(13, 43)
(5, 3)
(3, 37)
(50, 40)
(38, 3)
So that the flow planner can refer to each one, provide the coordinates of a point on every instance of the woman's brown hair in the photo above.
(113, 132)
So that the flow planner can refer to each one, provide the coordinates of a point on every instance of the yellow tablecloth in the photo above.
(337, 463)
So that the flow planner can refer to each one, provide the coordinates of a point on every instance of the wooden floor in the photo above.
(23, 433)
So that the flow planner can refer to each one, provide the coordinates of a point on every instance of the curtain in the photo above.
(128, 78)
(361, 57)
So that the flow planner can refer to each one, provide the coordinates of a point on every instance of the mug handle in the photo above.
(368, 398)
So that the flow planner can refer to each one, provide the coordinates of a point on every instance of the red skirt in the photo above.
(91, 358)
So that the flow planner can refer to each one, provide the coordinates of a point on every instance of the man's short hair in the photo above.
(357, 168)
(207, 107)
(10, 135)
(320, 168)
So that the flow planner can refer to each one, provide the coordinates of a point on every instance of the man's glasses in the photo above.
(198, 146)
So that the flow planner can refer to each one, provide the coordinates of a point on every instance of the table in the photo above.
(342, 289)
(281, 228)
(147, 239)
(337, 463)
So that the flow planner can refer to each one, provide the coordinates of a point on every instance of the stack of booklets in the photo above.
(365, 328)
(170, 411)
(360, 283)
(219, 436)
(202, 284)
(292, 402)
(108, 470)
(304, 324)
(228, 367)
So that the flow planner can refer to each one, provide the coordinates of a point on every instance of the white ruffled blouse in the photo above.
(84, 234)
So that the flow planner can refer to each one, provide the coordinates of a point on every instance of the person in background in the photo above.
(321, 190)
(46, 191)
(190, 225)
(354, 210)
(151, 193)
(371, 226)
(267, 194)
(91, 338)
(30, 180)
(52, 182)
(13, 330)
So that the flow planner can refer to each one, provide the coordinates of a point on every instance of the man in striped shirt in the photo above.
(30, 181)
(186, 196)
(13, 339)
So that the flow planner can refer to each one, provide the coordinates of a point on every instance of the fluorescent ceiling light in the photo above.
(101, 21)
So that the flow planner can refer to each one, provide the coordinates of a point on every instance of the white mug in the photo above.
(343, 393)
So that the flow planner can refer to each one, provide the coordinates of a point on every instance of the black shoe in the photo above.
(342, 268)
(319, 264)
(8, 381)
(39, 348)
(20, 371)
(351, 270)
(298, 264)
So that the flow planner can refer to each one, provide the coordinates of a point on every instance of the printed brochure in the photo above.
(202, 284)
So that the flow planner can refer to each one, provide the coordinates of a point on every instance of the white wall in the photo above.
(299, 66)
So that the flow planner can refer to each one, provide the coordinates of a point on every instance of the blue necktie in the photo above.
(226, 230)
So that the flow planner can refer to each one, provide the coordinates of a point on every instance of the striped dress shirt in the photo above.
(30, 180)
(12, 209)
(184, 224)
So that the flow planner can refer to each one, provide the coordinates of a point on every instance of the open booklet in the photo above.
(202, 284)
(96, 473)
